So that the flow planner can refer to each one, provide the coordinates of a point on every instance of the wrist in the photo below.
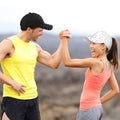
(12, 82)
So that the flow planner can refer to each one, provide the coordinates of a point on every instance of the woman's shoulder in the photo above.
(97, 66)
(97, 62)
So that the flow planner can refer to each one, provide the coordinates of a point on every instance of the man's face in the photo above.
(36, 33)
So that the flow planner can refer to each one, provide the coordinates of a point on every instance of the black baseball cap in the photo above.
(34, 20)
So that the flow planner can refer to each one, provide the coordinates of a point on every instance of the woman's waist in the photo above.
(89, 103)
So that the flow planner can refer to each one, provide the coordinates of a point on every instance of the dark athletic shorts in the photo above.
(17, 109)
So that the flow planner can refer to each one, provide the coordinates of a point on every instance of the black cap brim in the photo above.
(47, 27)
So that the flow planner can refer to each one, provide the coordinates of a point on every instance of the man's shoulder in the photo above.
(12, 37)
(6, 45)
(9, 40)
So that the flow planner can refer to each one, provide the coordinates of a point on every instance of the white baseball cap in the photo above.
(100, 37)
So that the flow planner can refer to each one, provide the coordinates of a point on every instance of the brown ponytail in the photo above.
(112, 55)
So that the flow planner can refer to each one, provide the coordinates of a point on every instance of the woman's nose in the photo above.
(91, 45)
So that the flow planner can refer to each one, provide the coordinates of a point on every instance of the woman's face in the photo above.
(97, 49)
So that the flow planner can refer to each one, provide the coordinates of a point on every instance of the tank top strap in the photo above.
(104, 61)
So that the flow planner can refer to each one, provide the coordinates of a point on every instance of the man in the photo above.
(18, 57)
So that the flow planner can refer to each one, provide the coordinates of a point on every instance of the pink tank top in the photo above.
(93, 85)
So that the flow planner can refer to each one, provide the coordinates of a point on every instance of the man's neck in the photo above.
(24, 36)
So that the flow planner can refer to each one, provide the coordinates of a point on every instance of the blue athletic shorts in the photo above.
(90, 114)
(17, 109)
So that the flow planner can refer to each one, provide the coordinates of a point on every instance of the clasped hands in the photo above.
(65, 34)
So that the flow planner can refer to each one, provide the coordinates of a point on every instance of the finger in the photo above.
(67, 35)
(23, 86)
(22, 90)
(66, 30)
(18, 93)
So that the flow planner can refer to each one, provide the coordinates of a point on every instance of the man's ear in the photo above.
(29, 29)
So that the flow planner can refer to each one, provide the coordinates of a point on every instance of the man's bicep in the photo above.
(44, 57)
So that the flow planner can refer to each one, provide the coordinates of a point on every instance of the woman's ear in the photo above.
(104, 47)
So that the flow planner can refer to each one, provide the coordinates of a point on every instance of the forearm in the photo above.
(114, 89)
(57, 56)
(6, 80)
(65, 52)
(16, 86)
(109, 96)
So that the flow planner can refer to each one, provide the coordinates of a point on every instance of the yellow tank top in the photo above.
(20, 67)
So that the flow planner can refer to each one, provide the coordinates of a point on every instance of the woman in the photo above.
(104, 51)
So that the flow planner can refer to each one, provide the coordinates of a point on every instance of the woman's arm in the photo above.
(68, 62)
(114, 89)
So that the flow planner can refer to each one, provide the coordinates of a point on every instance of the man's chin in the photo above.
(35, 40)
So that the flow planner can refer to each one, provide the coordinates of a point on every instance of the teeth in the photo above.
(92, 51)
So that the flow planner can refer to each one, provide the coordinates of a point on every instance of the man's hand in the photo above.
(18, 87)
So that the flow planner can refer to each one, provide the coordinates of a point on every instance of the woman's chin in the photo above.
(93, 56)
